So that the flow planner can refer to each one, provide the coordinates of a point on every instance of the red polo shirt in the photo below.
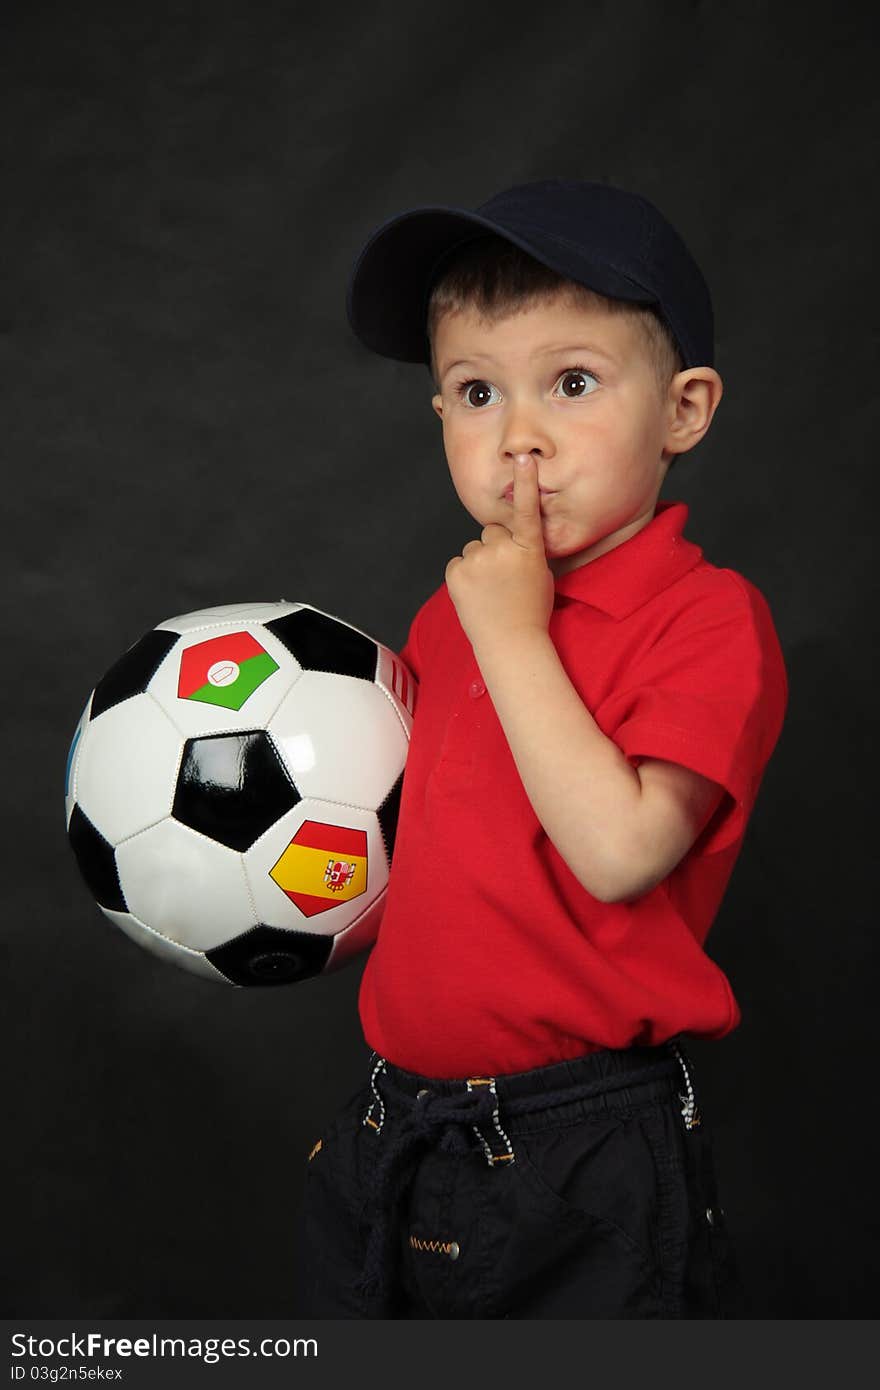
(491, 957)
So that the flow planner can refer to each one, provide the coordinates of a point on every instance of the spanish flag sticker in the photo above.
(323, 866)
(225, 670)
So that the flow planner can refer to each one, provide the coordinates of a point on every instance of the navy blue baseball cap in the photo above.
(611, 240)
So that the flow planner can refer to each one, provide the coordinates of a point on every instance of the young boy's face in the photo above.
(575, 388)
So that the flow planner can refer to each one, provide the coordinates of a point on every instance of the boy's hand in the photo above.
(502, 582)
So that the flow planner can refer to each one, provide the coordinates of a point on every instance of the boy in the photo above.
(597, 704)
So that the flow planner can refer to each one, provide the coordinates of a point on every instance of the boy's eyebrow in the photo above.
(544, 352)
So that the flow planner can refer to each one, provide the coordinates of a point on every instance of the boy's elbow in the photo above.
(630, 869)
(629, 893)
(617, 893)
(613, 886)
(628, 881)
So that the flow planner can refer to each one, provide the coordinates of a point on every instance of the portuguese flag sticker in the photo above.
(224, 671)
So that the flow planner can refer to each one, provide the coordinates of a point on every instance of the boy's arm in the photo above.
(620, 831)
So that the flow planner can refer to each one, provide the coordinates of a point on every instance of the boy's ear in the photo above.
(695, 396)
(437, 405)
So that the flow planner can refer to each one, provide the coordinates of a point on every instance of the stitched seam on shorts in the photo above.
(671, 1239)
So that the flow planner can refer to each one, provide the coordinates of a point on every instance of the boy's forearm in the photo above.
(582, 788)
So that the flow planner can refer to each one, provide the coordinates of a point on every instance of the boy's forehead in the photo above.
(525, 334)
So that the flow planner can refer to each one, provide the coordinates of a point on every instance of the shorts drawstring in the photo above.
(476, 1109)
(689, 1112)
(368, 1118)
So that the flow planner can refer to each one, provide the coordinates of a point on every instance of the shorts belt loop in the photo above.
(508, 1155)
(689, 1111)
(368, 1117)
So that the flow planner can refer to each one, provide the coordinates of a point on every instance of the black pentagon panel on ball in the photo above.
(387, 816)
(320, 643)
(271, 956)
(232, 787)
(97, 862)
(133, 671)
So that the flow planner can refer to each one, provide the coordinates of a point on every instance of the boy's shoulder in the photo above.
(715, 635)
(714, 594)
(720, 585)
(714, 628)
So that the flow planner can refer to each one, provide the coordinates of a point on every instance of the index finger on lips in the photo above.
(527, 528)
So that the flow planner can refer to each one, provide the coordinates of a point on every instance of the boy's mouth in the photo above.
(507, 494)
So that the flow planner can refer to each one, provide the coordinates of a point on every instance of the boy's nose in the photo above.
(524, 430)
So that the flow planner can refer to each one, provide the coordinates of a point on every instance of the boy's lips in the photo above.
(507, 494)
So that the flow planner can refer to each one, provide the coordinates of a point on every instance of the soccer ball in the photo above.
(233, 786)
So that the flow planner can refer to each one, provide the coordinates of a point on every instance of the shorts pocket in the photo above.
(598, 1170)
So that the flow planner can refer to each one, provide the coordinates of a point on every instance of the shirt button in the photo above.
(476, 689)
(422, 1092)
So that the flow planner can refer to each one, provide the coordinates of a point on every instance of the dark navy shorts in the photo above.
(584, 1189)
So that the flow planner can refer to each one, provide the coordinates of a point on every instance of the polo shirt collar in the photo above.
(645, 564)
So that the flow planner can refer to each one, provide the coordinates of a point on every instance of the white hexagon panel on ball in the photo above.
(357, 937)
(184, 886)
(341, 737)
(228, 613)
(126, 768)
(169, 951)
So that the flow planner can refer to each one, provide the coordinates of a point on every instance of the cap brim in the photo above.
(387, 289)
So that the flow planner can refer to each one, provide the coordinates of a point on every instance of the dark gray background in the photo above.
(188, 421)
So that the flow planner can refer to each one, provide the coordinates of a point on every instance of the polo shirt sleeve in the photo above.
(710, 693)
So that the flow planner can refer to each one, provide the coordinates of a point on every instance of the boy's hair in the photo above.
(496, 278)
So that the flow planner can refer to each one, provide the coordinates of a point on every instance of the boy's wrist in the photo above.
(519, 646)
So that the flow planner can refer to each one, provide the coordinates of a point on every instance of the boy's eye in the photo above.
(580, 376)
(475, 392)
